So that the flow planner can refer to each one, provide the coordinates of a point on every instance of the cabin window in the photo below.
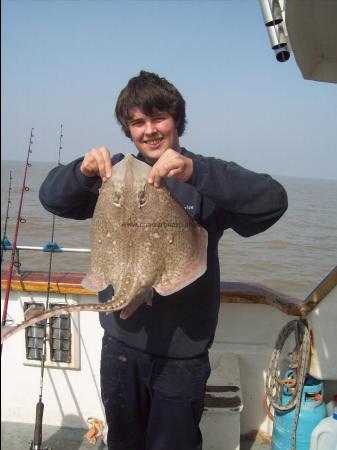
(60, 337)
(35, 333)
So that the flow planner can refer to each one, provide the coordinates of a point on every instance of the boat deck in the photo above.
(65, 438)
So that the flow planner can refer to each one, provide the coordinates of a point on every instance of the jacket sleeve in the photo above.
(245, 201)
(66, 192)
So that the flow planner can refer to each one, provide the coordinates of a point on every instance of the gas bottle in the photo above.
(324, 435)
(312, 411)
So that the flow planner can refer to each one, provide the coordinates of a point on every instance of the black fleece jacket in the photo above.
(219, 195)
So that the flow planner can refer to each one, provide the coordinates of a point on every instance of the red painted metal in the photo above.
(18, 221)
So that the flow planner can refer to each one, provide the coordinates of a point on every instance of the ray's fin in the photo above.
(93, 283)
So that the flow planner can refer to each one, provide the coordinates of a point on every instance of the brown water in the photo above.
(293, 256)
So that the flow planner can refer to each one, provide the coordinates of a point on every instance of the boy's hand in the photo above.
(97, 162)
(171, 164)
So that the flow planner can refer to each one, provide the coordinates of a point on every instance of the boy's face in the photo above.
(153, 135)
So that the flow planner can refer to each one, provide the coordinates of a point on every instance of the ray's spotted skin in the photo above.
(141, 239)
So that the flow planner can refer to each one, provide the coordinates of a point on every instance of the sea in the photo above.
(292, 257)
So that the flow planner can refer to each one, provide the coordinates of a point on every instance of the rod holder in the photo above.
(6, 244)
(273, 19)
(271, 11)
(52, 247)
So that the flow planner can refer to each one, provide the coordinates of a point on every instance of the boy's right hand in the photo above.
(97, 162)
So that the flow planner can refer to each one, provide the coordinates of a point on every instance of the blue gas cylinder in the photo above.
(312, 411)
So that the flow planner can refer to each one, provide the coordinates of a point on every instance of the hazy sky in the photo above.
(66, 62)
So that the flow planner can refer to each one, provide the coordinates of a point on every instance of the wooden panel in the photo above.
(321, 291)
(60, 283)
(70, 283)
(230, 292)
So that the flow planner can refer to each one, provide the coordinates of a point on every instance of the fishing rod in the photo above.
(5, 243)
(18, 221)
(51, 247)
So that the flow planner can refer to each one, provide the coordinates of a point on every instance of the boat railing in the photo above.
(230, 292)
(56, 249)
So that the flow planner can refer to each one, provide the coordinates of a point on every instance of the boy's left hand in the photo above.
(171, 164)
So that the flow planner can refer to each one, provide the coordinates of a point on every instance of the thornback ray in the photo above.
(141, 239)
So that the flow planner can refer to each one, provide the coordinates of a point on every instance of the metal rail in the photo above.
(61, 249)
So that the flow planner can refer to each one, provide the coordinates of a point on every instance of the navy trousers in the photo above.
(151, 403)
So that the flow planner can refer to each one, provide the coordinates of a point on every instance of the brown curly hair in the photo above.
(150, 93)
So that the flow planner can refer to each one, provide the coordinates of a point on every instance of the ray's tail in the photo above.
(35, 316)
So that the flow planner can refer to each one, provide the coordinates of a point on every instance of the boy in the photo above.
(154, 363)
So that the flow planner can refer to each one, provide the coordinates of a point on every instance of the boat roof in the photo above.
(312, 31)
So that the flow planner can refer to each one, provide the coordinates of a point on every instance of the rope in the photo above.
(300, 360)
